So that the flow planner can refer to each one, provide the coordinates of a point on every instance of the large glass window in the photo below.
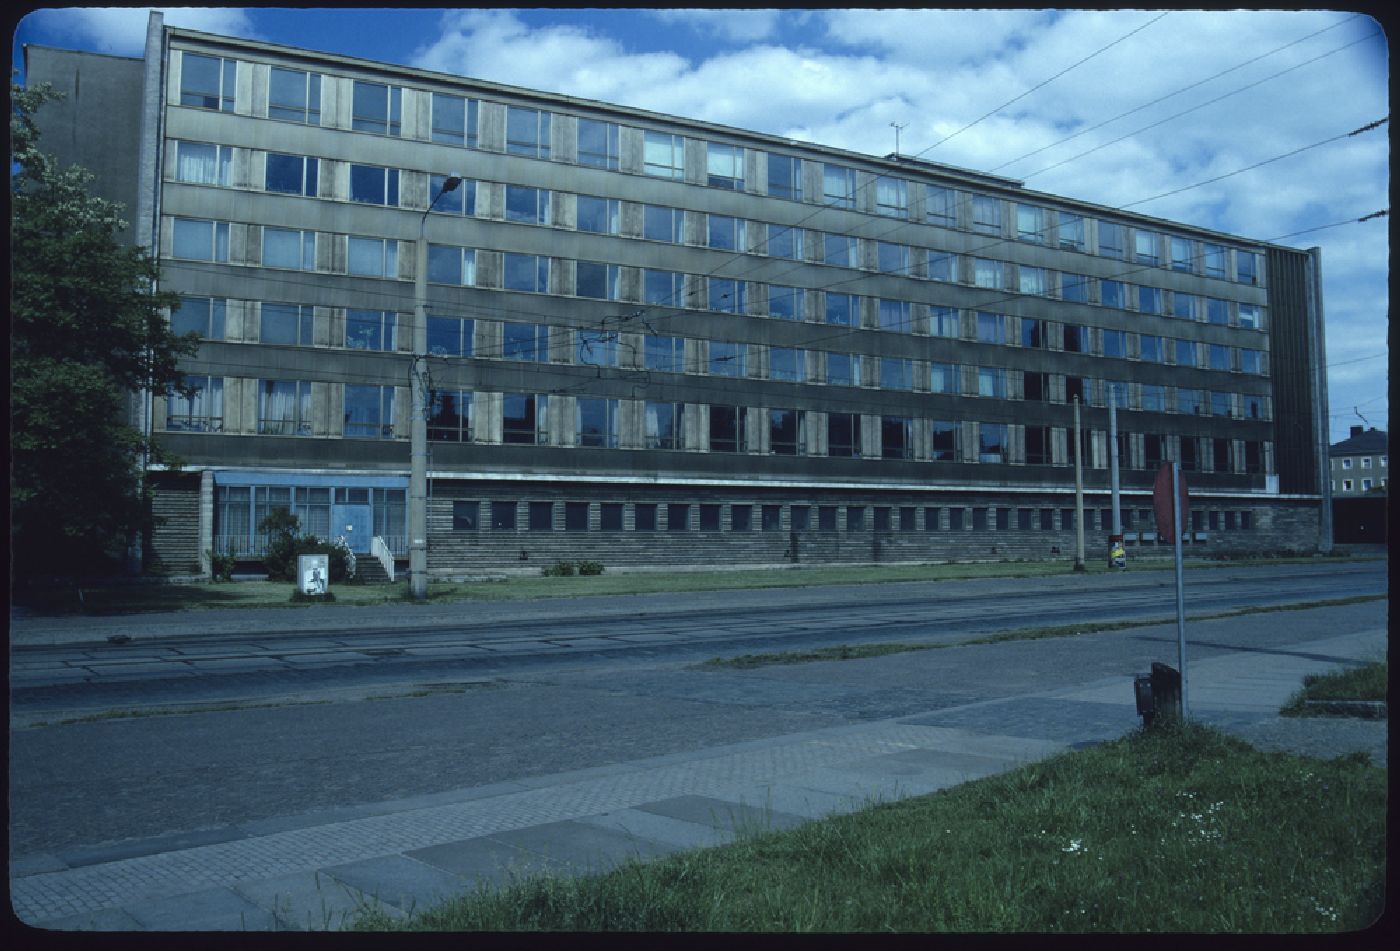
(373, 257)
(1217, 311)
(1154, 397)
(724, 233)
(374, 185)
(942, 266)
(598, 281)
(1249, 316)
(787, 303)
(369, 412)
(784, 176)
(1190, 401)
(986, 214)
(596, 215)
(842, 369)
(944, 322)
(1145, 247)
(1216, 259)
(785, 432)
(664, 425)
(788, 364)
(1115, 343)
(595, 348)
(728, 358)
(991, 382)
(662, 224)
(523, 419)
(202, 163)
(291, 174)
(1185, 305)
(666, 354)
(896, 373)
(724, 166)
(199, 315)
(377, 108)
(595, 422)
(839, 186)
(598, 143)
(988, 273)
(896, 315)
(896, 437)
(294, 96)
(1033, 280)
(197, 406)
(891, 258)
(459, 201)
(1072, 233)
(289, 249)
(198, 240)
(991, 328)
(454, 120)
(448, 264)
(1149, 299)
(784, 242)
(527, 132)
(892, 196)
(525, 272)
(207, 82)
(1113, 293)
(662, 287)
(528, 205)
(843, 436)
(1152, 348)
(525, 342)
(1185, 353)
(447, 336)
(284, 407)
(943, 378)
(727, 428)
(943, 441)
(839, 249)
(991, 442)
(727, 295)
(287, 324)
(1112, 240)
(842, 309)
(1030, 223)
(663, 155)
(1074, 287)
(1183, 256)
(940, 206)
(1246, 267)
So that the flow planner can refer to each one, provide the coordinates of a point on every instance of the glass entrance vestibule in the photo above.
(331, 505)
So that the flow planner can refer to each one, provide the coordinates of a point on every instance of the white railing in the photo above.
(380, 550)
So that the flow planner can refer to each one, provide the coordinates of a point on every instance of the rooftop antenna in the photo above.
(897, 127)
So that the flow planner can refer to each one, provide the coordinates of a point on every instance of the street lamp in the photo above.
(418, 423)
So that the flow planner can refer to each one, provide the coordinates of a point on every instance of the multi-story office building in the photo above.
(658, 341)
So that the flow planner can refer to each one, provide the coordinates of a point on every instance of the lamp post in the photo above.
(418, 422)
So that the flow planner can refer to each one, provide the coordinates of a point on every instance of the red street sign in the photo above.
(1162, 503)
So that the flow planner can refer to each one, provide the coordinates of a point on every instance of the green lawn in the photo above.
(1175, 830)
(1367, 682)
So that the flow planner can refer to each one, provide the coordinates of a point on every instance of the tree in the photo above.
(87, 330)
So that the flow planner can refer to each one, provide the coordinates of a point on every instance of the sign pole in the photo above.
(1177, 519)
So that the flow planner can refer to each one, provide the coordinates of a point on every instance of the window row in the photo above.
(292, 95)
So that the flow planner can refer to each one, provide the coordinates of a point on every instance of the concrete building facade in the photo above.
(660, 342)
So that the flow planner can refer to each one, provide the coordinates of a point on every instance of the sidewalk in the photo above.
(313, 870)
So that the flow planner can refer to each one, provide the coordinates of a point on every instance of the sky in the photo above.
(1247, 122)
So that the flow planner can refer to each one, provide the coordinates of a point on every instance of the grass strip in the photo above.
(1179, 829)
(862, 651)
(1367, 683)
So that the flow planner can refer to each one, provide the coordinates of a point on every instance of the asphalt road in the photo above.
(433, 723)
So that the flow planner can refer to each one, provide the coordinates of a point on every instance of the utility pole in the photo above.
(1115, 540)
(418, 422)
(1078, 491)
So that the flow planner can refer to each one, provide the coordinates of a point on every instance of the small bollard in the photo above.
(1158, 694)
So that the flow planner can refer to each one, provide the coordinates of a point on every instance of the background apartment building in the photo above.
(659, 341)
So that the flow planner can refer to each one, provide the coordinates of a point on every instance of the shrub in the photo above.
(590, 567)
(221, 566)
(560, 569)
(285, 543)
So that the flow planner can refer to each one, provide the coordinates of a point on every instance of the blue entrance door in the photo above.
(356, 523)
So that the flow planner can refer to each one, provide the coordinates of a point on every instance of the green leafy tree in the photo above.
(87, 330)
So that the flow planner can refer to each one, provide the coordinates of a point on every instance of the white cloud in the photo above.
(121, 31)
(737, 26)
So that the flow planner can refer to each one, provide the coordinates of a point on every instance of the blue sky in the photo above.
(1234, 120)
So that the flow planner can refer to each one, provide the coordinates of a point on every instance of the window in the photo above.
(662, 287)
(1033, 280)
(595, 215)
(1366, 484)
(1215, 260)
(787, 364)
(199, 315)
(891, 258)
(1145, 247)
(454, 120)
(842, 309)
(724, 233)
(528, 342)
(503, 515)
(1246, 267)
(1348, 485)
(644, 517)
(842, 369)
(1112, 294)
(986, 214)
(1115, 393)
(294, 96)
(373, 185)
(377, 108)
(728, 295)
(724, 166)
(896, 373)
(596, 422)
(1115, 343)
(1074, 287)
(1111, 240)
(1038, 446)
(465, 515)
(575, 516)
(447, 336)
(373, 257)
(801, 517)
(664, 425)
(202, 163)
(940, 206)
(991, 442)
(1253, 456)
(944, 322)
(527, 132)
(839, 186)
(595, 348)
(1219, 356)
(460, 201)
(896, 437)
(943, 378)
(207, 82)
(1152, 348)
(709, 517)
(826, 518)
(662, 224)
(525, 272)
(531, 205)
(1071, 232)
(1030, 224)
(943, 441)
(610, 516)
(1154, 397)
(895, 315)
(1077, 388)
(1365, 462)
(448, 264)
(369, 411)
(288, 324)
(524, 419)
(598, 281)
(988, 273)
(942, 266)
(839, 249)
(1185, 353)
(727, 429)
(450, 415)
(785, 432)
(291, 174)
(1251, 361)
(991, 328)
(891, 197)
(785, 242)
(1182, 254)
(541, 516)
(284, 408)
(843, 435)
(1222, 404)
(784, 177)
(991, 382)
(1034, 334)
(1190, 401)
(855, 518)
(1217, 311)
(663, 155)
(787, 303)
(197, 406)
(1149, 299)
(666, 354)
(1346, 463)
(197, 240)
(1249, 316)
(677, 517)
(598, 144)
(1185, 306)
(771, 517)
(728, 358)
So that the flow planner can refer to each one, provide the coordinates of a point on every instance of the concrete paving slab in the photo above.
(399, 880)
(582, 848)
(105, 919)
(676, 833)
(721, 814)
(210, 909)
(783, 796)
(483, 860)
(912, 762)
(308, 901)
(1048, 718)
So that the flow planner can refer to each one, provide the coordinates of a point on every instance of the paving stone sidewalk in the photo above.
(313, 871)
